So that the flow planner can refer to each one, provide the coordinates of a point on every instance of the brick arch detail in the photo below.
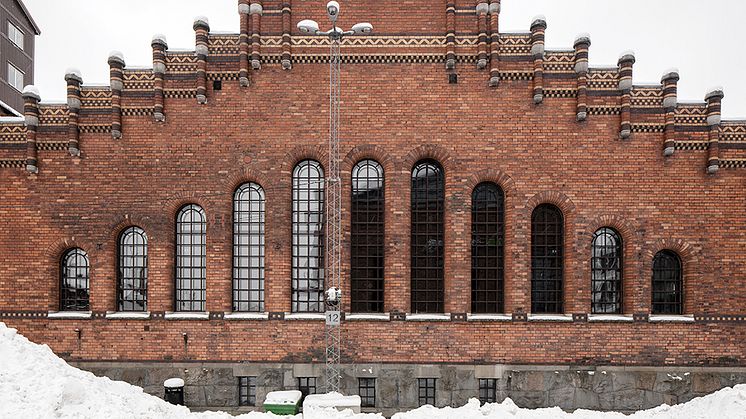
(624, 227)
(246, 175)
(429, 151)
(126, 221)
(367, 151)
(562, 201)
(174, 204)
(691, 267)
(300, 153)
(501, 179)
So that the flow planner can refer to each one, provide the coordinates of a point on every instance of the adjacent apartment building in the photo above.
(17, 46)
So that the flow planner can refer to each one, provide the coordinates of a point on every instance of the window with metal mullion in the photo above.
(75, 281)
(487, 248)
(133, 270)
(191, 259)
(367, 392)
(667, 284)
(487, 390)
(308, 238)
(426, 391)
(546, 260)
(248, 248)
(247, 391)
(606, 272)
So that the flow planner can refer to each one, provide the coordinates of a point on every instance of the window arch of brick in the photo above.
(547, 259)
(367, 237)
(248, 248)
(132, 270)
(606, 271)
(191, 258)
(427, 235)
(75, 281)
(487, 248)
(668, 283)
(308, 237)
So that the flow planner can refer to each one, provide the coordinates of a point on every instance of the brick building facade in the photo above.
(609, 235)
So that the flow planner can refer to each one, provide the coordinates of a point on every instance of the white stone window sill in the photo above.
(549, 318)
(187, 316)
(69, 315)
(305, 316)
(609, 318)
(126, 315)
(429, 317)
(376, 317)
(659, 318)
(245, 316)
(489, 317)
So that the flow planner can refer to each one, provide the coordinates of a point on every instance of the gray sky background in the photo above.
(703, 39)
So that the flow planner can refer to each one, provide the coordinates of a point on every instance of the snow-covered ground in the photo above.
(35, 383)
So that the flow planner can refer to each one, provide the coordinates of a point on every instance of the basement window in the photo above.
(247, 391)
(426, 391)
(306, 385)
(487, 390)
(367, 392)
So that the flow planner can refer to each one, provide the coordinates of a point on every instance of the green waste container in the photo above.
(283, 402)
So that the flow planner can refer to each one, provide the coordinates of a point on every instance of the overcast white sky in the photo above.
(705, 40)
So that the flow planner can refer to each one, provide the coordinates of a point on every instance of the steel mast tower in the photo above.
(333, 275)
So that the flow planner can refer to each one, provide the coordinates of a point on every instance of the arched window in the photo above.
(132, 284)
(547, 239)
(191, 258)
(248, 248)
(606, 271)
(668, 283)
(367, 247)
(487, 243)
(308, 237)
(428, 190)
(74, 281)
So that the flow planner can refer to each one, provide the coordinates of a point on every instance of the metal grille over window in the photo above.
(132, 292)
(308, 237)
(428, 191)
(546, 259)
(247, 391)
(606, 271)
(426, 391)
(306, 386)
(668, 284)
(488, 390)
(74, 281)
(487, 244)
(367, 392)
(191, 258)
(248, 248)
(367, 237)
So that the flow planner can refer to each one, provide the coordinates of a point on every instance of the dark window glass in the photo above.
(308, 237)
(248, 248)
(426, 391)
(606, 271)
(668, 284)
(546, 259)
(247, 391)
(487, 243)
(367, 246)
(367, 391)
(306, 386)
(132, 292)
(487, 390)
(428, 192)
(74, 281)
(191, 258)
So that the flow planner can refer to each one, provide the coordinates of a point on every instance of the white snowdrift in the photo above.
(35, 383)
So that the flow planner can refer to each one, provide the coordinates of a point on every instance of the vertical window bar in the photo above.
(606, 272)
(487, 247)
(487, 390)
(75, 281)
(191, 258)
(308, 237)
(547, 239)
(132, 292)
(367, 392)
(426, 391)
(248, 248)
(668, 283)
(247, 391)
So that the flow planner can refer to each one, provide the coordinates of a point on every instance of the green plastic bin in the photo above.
(283, 402)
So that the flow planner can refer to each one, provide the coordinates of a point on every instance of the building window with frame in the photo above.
(487, 244)
(15, 34)
(191, 258)
(132, 290)
(367, 237)
(306, 386)
(248, 248)
(15, 77)
(668, 283)
(487, 390)
(308, 237)
(427, 247)
(75, 281)
(426, 391)
(247, 391)
(367, 392)
(606, 272)
(547, 241)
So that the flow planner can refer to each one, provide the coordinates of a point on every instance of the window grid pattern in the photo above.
(488, 390)
(191, 258)
(248, 248)
(428, 190)
(367, 392)
(247, 391)
(132, 292)
(367, 237)
(15, 35)
(426, 391)
(308, 237)
(487, 247)
(306, 386)
(547, 238)
(606, 272)
(75, 281)
(668, 283)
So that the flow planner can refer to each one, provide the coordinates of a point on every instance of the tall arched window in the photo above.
(668, 283)
(191, 258)
(308, 237)
(367, 247)
(132, 284)
(428, 190)
(606, 271)
(547, 238)
(487, 243)
(74, 281)
(248, 248)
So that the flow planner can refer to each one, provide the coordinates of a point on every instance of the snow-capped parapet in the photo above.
(244, 9)
(539, 20)
(31, 91)
(73, 74)
(671, 73)
(160, 39)
(714, 92)
(583, 38)
(116, 57)
(201, 22)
